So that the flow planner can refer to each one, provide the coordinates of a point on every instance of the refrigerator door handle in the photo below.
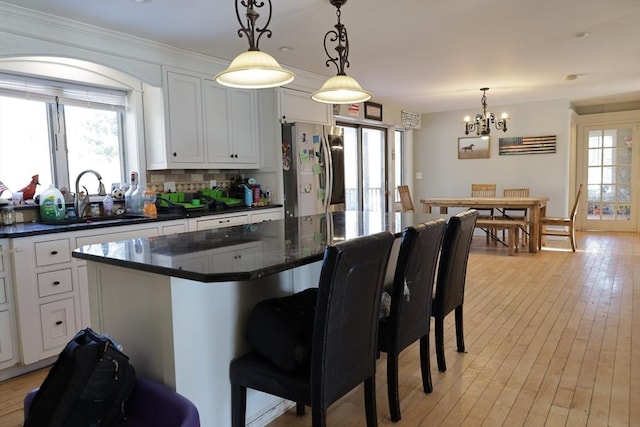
(328, 170)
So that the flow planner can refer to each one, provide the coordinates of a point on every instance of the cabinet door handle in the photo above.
(56, 283)
(54, 252)
(236, 156)
(59, 322)
(175, 154)
(223, 221)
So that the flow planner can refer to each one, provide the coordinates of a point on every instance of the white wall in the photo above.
(443, 174)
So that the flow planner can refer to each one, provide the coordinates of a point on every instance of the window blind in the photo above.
(39, 89)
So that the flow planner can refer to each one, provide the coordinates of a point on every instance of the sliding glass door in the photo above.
(365, 168)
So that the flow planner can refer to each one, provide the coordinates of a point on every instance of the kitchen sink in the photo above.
(97, 219)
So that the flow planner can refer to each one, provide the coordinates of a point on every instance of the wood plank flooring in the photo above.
(552, 339)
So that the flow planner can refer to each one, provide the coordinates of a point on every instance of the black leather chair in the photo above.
(343, 349)
(452, 273)
(411, 298)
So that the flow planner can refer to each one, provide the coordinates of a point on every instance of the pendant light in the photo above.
(254, 69)
(481, 122)
(340, 89)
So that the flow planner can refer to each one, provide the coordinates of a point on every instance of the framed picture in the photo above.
(372, 111)
(476, 147)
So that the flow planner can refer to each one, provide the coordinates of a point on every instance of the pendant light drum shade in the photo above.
(254, 69)
(341, 90)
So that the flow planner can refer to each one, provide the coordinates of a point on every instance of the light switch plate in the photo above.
(169, 186)
(418, 175)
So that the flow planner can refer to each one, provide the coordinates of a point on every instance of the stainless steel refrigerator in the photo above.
(313, 169)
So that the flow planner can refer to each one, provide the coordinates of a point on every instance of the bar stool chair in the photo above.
(411, 299)
(452, 273)
(343, 348)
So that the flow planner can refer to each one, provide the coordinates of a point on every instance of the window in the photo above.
(57, 130)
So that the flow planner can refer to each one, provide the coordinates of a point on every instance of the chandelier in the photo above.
(254, 69)
(340, 89)
(481, 122)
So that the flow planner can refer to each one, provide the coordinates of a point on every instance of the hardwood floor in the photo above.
(552, 338)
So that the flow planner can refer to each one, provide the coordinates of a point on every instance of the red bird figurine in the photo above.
(30, 190)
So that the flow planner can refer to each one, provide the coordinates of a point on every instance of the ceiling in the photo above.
(420, 55)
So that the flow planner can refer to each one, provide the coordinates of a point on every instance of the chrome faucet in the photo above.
(81, 203)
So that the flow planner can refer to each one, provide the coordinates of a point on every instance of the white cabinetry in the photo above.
(217, 221)
(47, 295)
(207, 126)
(297, 106)
(8, 353)
(265, 215)
(231, 126)
(51, 286)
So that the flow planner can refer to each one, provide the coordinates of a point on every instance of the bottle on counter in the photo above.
(132, 188)
(267, 194)
(107, 205)
(8, 214)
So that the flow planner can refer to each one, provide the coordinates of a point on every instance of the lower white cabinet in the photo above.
(8, 330)
(6, 340)
(217, 221)
(51, 292)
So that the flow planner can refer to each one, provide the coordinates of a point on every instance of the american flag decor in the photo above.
(3, 187)
(527, 145)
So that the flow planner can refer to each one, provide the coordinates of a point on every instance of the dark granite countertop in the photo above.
(246, 252)
(36, 228)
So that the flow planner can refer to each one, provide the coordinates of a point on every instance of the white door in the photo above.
(609, 165)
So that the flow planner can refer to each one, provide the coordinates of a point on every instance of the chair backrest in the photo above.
(452, 268)
(417, 262)
(405, 198)
(483, 190)
(574, 209)
(344, 346)
(515, 192)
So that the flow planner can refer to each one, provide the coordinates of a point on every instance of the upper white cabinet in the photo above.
(297, 106)
(231, 126)
(207, 126)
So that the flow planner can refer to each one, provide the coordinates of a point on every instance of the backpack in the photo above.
(88, 385)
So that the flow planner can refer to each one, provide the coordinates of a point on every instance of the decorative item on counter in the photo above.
(17, 198)
(71, 213)
(256, 194)
(130, 191)
(8, 214)
(3, 188)
(95, 210)
(150, 203)
(267, 194)
(68, 196)
(30, 190)
(52, 206)
(107, 204)
(118, 193)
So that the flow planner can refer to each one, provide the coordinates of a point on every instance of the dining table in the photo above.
(536, 208)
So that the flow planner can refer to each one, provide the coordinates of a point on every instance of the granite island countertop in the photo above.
(246, 252)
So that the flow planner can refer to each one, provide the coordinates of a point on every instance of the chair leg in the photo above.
(238, 405)
(439, 333)
(425, 364)
(459, 329)
(318, 417)
(370, 401)
(299, 409)
(392, 386)
(572, 236)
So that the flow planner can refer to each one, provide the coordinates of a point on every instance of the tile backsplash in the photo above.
(188, 180)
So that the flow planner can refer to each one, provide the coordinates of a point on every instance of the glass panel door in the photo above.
(365, 170)
(611, 172)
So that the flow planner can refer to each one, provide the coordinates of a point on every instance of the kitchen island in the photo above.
(179, 303)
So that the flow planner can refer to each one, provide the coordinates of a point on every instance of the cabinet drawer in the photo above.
(54, 282)
(228, 221)
(6, 344)
(58, 323)
(53, 252)
(3, 292)
(265, 216)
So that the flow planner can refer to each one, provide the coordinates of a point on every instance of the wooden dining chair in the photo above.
(406, 203)
(343, 337)
(450, 283)
(517, 214)
(411, 298)
(567, 225)
(485, 190)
